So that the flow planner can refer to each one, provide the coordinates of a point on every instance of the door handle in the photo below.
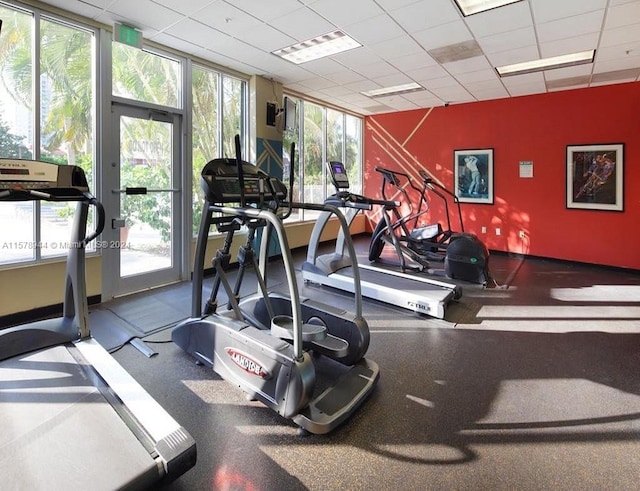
(117, 223)
(143, 190)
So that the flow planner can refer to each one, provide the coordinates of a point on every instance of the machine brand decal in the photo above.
(417, 306)
(247, 363)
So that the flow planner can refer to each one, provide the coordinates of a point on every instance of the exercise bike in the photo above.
(270, 344)
(465, 257)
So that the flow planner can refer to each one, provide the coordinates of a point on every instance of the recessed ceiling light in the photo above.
(396, 89)
(561, 61)
(318, 47)
(470, 7)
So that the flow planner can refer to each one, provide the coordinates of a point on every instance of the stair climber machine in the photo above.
(72, 417)
(303, 359)
(465, 257)
(336, 269)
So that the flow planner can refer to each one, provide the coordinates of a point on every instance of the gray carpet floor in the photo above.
(531, 386)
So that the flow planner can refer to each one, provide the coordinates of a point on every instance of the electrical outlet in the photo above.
(522, 234)
(497, 231)
(484, 230)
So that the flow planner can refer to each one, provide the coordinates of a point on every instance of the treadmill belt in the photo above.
(59, 432)
(391, 281)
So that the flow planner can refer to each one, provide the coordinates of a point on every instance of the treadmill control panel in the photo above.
(33, 180)
(221, 183)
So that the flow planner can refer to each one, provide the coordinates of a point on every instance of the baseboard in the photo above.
(603, 267)
(39, 313)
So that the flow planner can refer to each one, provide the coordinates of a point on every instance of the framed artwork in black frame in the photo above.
(595, 177)
(473, 175)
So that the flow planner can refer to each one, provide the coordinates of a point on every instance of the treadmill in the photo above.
(420, 294)
(72, 417)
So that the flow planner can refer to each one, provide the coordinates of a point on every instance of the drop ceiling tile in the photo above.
(344, 77)
(392, 80)
(357, 98)
(421, 15)
(505, 41)
(265, 11)
(508, 18)
(177, 43)
(444, 35)
(339, 14)
(488, 75)
(571, 45)
(357, 57)
(489, 93)
(185, 8)
(618, 52)
(628, 75)
(402, 104)
(391, 5)
(267, 38)
(427, 73)
(548, 10)
(619, 64)
(485, 85)
(291, 74)
(375, 70)
(374, 30)
(453, 94)
(302, 24)
(101, 4)
(317, 83)
(90, 10)
(322, 66)
(620, 36)
(230, 62)
(194, 32)
(512, 56)
(412, 62)
(336, 91)
(440, 83)
(144, 13)
(424, 98)
(570, 27)
(568, 72)
(393, 47)
(361, 86)
(529, 79)
(623, 15)
(226, 18)
(527, 89)
(469, 65)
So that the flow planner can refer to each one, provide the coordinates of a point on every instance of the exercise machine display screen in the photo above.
(221, 183)
(32, 179)
(338, 175)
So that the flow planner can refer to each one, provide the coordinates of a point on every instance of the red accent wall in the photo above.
(536, 128)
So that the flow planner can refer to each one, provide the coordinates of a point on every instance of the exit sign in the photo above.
(127, 35)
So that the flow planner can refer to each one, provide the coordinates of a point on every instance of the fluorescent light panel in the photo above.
(318, 47)
(554, 62)
(470, 7)
(396, 89)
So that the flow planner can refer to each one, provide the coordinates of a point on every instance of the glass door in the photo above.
(145, 246)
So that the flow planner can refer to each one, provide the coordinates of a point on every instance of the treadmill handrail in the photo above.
(344, 226)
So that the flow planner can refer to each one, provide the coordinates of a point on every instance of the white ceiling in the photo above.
(396, 36)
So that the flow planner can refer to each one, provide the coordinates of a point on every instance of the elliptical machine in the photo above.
(465, 257)
(264, 343)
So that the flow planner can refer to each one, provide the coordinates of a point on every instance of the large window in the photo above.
(145, 76)
(323, 134)
(47, 105)
(218, 115)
